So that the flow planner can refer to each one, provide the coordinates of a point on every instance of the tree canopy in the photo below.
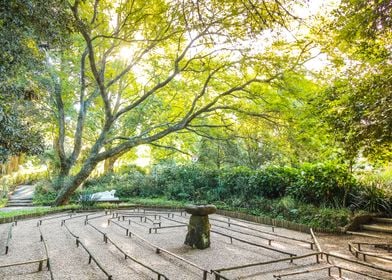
(359, 103)
(222, 83)
(151, 69)
(24, 27)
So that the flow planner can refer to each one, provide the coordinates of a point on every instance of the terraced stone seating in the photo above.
(383, 225)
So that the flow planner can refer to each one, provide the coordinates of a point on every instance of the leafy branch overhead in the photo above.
(150, 69)
(252, 82)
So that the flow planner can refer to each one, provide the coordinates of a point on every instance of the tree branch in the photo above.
(170, 148)
(82, 111)
(93, 65)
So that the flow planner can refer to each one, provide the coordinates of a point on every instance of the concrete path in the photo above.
(23, 192)
(21, 197)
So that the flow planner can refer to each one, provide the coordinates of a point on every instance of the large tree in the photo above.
(358, 104)
(24, 26)
(140, 71)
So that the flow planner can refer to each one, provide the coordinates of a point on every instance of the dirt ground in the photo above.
(144, 255)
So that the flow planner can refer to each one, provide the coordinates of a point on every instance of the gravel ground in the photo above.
(71, 262)
(338, 245)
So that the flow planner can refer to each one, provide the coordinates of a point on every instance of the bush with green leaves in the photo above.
(272, 181)
(323, 184)
(44, 193)
(375, 198)
(128, 184)
(375, 191)
(287, 208)
(187, 182)
(236, 182)
(295, 194)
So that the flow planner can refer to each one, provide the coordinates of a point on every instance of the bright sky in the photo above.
(143, 153)
(314, 7)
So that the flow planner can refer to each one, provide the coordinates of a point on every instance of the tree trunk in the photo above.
(109, 164)
(61, 178)
(70, 186)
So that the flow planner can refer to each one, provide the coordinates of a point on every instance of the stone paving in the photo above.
(149, 244)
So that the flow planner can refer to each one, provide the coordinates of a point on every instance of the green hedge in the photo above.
(321, 185)
(327, 184)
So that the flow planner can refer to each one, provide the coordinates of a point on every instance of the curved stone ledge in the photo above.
(200, 210)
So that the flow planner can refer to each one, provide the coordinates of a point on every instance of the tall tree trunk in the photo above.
(91, 162)
(109, 164)
(62, 176)
(70, 186)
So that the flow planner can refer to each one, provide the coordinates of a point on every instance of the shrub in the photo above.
(126, 185)
(44, 193)
(323, 184)
(280, 192)
(149, 188)
(272, 182)
(287, 208)
(188, 182)
(374, 198)
(329, 218)
(236, 182)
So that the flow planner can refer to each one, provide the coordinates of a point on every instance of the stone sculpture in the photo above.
(198, 235)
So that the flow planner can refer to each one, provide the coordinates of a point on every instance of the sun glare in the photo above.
(125, 54)
(143, 156)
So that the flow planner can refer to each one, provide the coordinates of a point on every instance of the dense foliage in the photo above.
(357, 105)
(323, 184)
(24, 26)
(271, 190)
(230, 85)
(315, 195)
(17, 135)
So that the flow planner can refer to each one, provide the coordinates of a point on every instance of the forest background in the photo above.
(280, 107)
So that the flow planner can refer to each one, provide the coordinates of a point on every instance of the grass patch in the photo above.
(159, 201)
(48, 210)
(37, 211)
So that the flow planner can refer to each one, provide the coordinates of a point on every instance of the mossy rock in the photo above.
(198, 235)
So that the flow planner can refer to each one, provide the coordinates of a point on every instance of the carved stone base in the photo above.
(198, 235)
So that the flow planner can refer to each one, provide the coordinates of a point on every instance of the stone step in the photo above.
(365, 234)
(383, 220)
(377, 228)
(12, 203)
(19, 202)
(19, 205)
(19, 199)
